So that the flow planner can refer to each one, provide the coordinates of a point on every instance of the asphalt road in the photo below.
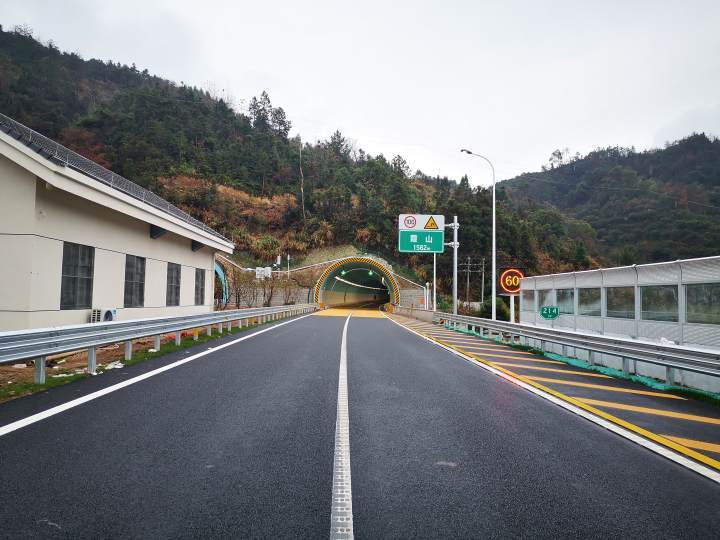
(239, 443)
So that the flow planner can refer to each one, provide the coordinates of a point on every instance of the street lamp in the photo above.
(494, 261)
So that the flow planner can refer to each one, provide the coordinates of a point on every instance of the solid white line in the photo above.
(341, 520)
(18, 424)
(634, 437)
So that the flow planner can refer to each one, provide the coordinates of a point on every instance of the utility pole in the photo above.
(302, 185)
(467, 283)
(482, 283)
(470, 267)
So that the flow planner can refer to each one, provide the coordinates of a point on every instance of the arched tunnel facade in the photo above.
(357, 281)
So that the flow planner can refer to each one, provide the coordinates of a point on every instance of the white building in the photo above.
(76, 237)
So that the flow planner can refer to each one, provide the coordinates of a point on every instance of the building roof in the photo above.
(60, 155)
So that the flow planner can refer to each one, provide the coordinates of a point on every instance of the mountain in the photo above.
(650, 206)
(239, 170)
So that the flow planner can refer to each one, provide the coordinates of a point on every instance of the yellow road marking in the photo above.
(649, 410)
(484, 344)
(659, 439)
(517, 358)
(344, 312)
(608, 388)
(491, 350)
(495, 353)
(698, 445)
(569, 371)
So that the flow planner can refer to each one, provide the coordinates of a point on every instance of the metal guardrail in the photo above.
(64, 156)
(672, 357)
(41, 343)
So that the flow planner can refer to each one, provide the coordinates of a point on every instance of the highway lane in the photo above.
(237, 443)
(443, 449)
(240, 443)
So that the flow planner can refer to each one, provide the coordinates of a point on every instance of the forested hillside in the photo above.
(649, 206)
(238, 169)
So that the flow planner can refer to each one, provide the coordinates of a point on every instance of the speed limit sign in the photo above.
(510, 280)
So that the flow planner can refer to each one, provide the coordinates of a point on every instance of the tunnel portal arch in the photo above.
(345, 267)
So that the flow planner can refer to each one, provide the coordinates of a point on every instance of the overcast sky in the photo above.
(511, 79)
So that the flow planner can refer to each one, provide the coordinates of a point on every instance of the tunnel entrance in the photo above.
(356, 282)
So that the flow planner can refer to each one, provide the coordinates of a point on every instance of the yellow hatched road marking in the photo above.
(493, 356)
(569, 371)
(483, 344)
(605, 387)
(649, 410)
(491, 350)
(659, 439)
(698, 445)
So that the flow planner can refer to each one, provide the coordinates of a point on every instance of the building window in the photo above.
(134, 281)
(659, 303)
(77, 276)
(173, 285)
(621, 302)
(199, 287)
(589, 302)
(566, 301)
(528, 300)
(544, 298)
(703, 303)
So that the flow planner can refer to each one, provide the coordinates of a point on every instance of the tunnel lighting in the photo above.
(338, 278)
(370, 273)
(342, 273)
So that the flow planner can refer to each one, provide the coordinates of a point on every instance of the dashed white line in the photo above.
(341, 518)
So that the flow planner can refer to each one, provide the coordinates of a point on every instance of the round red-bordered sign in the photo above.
(510, 280)
(410, 222)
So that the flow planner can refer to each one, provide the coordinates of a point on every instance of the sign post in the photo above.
(455, 245)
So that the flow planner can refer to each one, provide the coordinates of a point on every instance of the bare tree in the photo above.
(245, 288)
(268, 286)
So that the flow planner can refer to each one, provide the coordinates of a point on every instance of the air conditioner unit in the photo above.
(103, 315)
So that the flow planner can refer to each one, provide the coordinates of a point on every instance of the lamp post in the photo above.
(494, 258)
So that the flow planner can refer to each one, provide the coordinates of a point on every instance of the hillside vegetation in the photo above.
(648, 206)
(238, 169)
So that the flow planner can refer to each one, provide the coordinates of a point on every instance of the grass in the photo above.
(24, 388)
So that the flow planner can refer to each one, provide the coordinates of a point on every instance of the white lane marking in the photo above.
(634, 437)
(341, 519)
(18, 424)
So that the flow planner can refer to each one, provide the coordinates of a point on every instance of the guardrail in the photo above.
(41, 343)
(672, 357)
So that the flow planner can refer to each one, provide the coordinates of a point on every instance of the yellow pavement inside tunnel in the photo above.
(344, 312)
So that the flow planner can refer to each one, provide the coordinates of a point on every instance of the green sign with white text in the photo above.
(550, 312)
(419, 241)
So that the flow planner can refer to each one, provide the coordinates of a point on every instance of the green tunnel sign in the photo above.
(550, 312)
(421, 241)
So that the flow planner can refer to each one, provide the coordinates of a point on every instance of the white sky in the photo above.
(511, 79)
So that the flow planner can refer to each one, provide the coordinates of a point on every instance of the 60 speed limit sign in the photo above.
(510, 280)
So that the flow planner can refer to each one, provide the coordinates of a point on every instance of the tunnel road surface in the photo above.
(241, 442)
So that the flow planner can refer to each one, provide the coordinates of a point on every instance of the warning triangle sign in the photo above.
(431, 223)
